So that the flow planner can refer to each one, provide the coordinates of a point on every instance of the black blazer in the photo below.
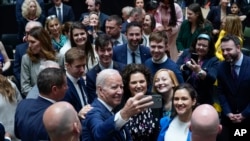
(68, 14)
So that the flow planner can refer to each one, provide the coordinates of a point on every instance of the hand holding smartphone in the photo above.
(157, 99)
(194, 56)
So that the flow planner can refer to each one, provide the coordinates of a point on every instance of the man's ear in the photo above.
(219, 129)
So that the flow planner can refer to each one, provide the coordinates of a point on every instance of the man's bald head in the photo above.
(205, 121)
(61, 122)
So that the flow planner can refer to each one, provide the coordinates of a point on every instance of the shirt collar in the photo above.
(163, 59)
(137, 51)
(50, 100)
(239, 62)
(60, 6)
(105, 104)
(110, 66)
(71, 78)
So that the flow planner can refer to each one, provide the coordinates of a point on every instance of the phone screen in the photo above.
(157, 99)
(194, 56)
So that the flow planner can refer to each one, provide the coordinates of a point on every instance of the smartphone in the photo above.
(157, 99)
(194, 56)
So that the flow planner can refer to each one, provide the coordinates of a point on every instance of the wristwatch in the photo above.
(200, 73)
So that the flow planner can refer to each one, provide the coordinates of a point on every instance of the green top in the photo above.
(185, 37)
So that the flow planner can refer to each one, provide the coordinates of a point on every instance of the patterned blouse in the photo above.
(143, 126)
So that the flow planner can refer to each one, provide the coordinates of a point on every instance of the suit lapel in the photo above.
(73, 90)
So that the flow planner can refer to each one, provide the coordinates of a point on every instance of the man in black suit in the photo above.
(77, 95)
(63, 12)
(52, 86)
(103, 47)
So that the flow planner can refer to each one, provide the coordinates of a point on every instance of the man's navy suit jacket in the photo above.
(68, 14)
(234, 94)
(92, 74)
(120, 53)
(29, 119)
(72, 97)
(99, 125)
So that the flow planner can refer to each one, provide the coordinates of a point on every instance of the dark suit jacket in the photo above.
(120, 53)
(68, 14)
(29, 119)
(102, 19)
(204, 88)
(2, 132)
(234, 94)
(99, 125)
(124, 26)
(72, 97)
(20, 51)
(92, 74)
(214, 16)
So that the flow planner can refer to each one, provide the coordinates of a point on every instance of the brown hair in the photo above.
(6, 89)
(74, 54)
(47, 51)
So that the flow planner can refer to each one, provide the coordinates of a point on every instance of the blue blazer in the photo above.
(20, 51)
(68, 14)
(29, 119)
(99, 125)
(165, 122)
(72, 97)
(92, 74)
(120, 53)
(234, 94)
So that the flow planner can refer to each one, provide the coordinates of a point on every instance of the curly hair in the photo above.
(6, 89)
(132, 69)
(25, 8)
(47, 50)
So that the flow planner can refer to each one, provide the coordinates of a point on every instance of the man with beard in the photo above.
(113, 27)
(233, 89)
(132, 52)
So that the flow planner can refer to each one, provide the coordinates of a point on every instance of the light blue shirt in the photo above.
(137, 56)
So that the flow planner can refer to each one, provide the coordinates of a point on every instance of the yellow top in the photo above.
(218, 52)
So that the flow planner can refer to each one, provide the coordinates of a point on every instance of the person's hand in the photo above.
(239, 118)
(135, 105)
(215, 31)
(231, 117)
(83, 112)
(194, 66)
(85, 20)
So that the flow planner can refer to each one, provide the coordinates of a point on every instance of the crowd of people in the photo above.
(96, 77)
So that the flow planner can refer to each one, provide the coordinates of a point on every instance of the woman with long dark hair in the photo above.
(169, 15)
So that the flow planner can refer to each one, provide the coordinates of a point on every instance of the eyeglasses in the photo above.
(51, 17)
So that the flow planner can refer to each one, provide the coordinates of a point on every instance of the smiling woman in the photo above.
(176, 127)
(200, 70)
(136, 80)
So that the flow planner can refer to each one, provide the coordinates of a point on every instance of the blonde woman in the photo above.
(230, 25)
(9, 98)
(31, 11)
(54, 28)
